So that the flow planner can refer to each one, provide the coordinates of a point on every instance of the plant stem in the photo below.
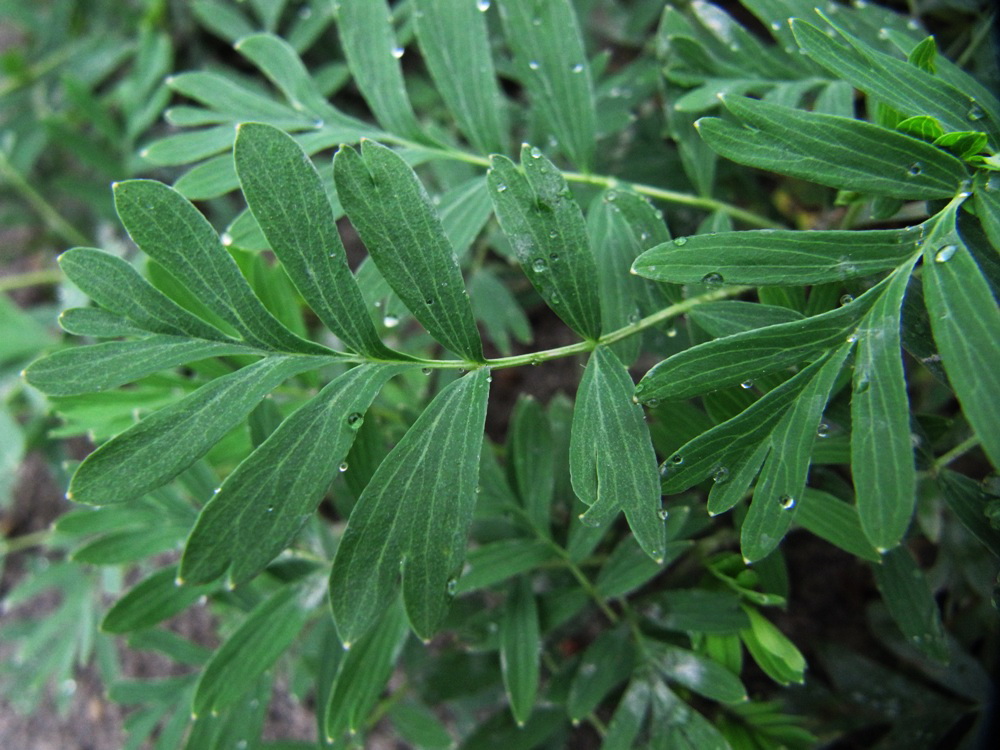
(53, 219)
(30, 278)
(959, 450)
(23, 542)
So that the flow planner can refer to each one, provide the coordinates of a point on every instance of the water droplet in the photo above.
(663, 513)
(452, 586)
(226, 238)
(975, 113)
(847, 299)
(746, 385)
(398, 52)
(539, 265)
(634, 317)
(862, 385)
(390, 321)
(355, 419)
(270, 509)
(945, 253)
(536, 21)
(587, 521)
(553, 234)
(501, 187)
(425, 370)
(852, 339)
(483, 5)
(578, 68)
(217, 490)
(429, 301)
(787, 502)
(343, 467)
(823, 430)
(610, 197)
(67, 688)
(671, 333)
(915, 169)
(533, 64)
(775, 26)
(720, 475)
(677, 459)
(653, 403)
(680, 241)
(536, 153)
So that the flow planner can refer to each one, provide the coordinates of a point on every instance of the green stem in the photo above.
(959, 450)
(30, 278)
(23, 542)
(53, 219)
(651, 191)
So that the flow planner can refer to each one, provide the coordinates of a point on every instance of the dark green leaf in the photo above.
(966, 324)
(612, 463)
(519, 649)
(835, 521)
(628, 718)
(549, 236)
(699, 673)
(456, 49)
(262, 505)
(606, 663)
(498, 561)
(697, 611)
(552, 64)
(731, 481)
(778, 257)
(394, 216)
(175, 234)
(911, 603)
(987, 202)
(728, 317)
(881, 448)
(680, 727)
(835, 151)
(93, 321)
(286, 195)
(416, 511)
(251, 650)
(116, 286)
(531, 460)
(372, 52)
(129, 545)
(154, 451)
(153, 600)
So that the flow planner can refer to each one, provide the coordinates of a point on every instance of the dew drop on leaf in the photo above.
(787, 502)
(398, 52)
(452, 586)
(653, 403)
(680, 241)
(501, 187)
(746, 385)
(426, 370)
(975, 113)
(539, 265)
(483, 5)
(390, 321)
(712, 278)
(536, 153)
(945, 253)
(343, 467)
(533, 65)
(354, 420)
(677, 459)
(578, 68)
(587, 521)
(823, 430)
(720, 475)
(846, 299)
(663, 513)
(915, 169)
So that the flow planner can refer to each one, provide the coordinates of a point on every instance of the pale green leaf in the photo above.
(415, 511)
(190, 146)
(732, 479)
(965, 320)
(210, 179)
(778, 257)
(496, 562)
(729, 317)
(464, 210)
(154, 451)
(772, 650)
(783, 476)
(626, 723)
(680, 727)
(286, 196)
(698, 673)
(520, 643)
(173, 232)
(110, 364)
(612, 463)
(263, 504)
(835, 151)
(373, 54)
(498, 311)
(392, 212)
(252, 649)
(549, 236)
(881, 447)
(151, 601)
(552, 64)
(117, 286)
(456, 49)
(237, 103)
(835, 521)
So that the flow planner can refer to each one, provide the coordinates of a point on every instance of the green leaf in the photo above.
(626, 723)
(964, 144)
(493, 563)
(419, 726)
(372, 52)
(744, 356)
(464, 210)
(629, 567)
(901, 85)
(680, 726)
(237, 103)
(263, 504)
(881, 448)
(363, 673)
(729, 317)
(173, 232)
(987, 202)
(251, 650)
(151, 601)
(416, 511)
(389, 207)
(778, 257)
(924, 127)
(549, 236)
(161, 446)
(193, 145)
(286, 196)
(531, 460)
(835, 151)
(129, 545)
(772, 650)
(116, 286)
(731, 481)
(698, 673)
(966, 499)
(605, 664)
(103, 366)
(612, 463)
(965, 320)
(907, 594)
(783, 477)
(552, 65)
(456, 49)
(498, 311)
(698, 611)
(835, 521)
(520, 645)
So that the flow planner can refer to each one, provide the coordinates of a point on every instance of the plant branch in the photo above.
(957, 452)
(30, 278)
(53, 219)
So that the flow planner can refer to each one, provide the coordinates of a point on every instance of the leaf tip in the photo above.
(347, 645)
